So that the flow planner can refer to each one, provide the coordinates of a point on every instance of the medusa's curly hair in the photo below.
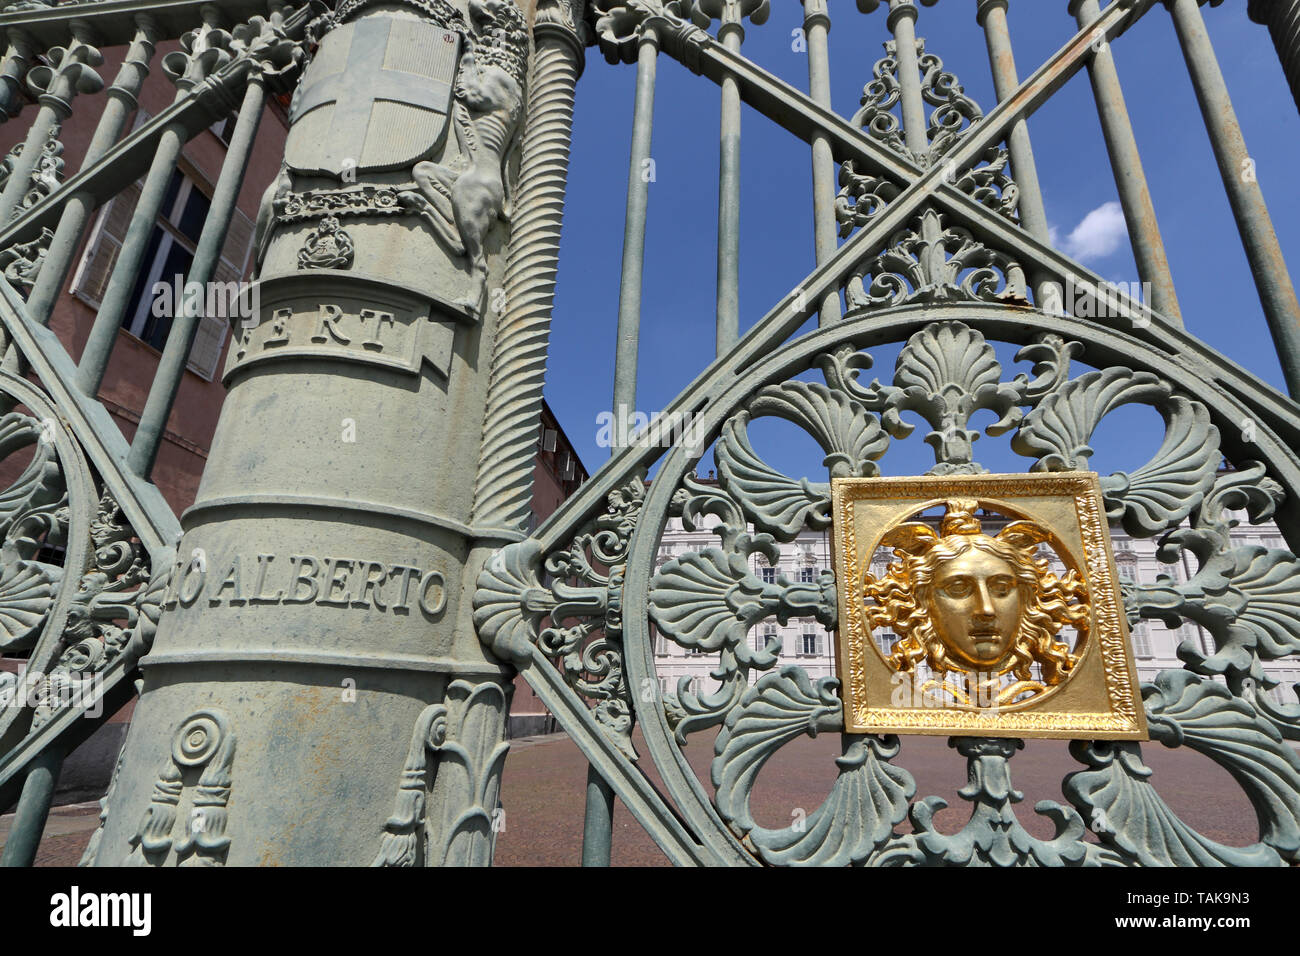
(900, 600)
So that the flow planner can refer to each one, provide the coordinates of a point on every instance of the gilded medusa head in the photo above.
(984, 608)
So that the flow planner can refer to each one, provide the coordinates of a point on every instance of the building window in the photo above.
(767, 575)
(1142, 641)
(1126, 568)
(168, 254)
(1284, 692)
(808, 575)
(811, 644)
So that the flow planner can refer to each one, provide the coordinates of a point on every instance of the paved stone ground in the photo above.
(545, 779)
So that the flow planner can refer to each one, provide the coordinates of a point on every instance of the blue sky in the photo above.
(1214, 285)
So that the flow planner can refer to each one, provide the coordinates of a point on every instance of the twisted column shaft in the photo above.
(503, 489)
(1282, 17)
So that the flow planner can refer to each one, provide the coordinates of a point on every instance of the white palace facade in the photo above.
(808, 644)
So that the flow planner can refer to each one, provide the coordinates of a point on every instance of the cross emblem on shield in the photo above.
(376, 97)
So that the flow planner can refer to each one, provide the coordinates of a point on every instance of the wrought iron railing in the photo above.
(946, 248)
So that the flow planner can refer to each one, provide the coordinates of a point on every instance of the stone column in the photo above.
(1282, 17)
(316, 693)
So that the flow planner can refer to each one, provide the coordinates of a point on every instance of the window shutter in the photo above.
(239, 240)
(97, 264)
(211, 335)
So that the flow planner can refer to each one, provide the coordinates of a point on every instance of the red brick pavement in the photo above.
(545, 779)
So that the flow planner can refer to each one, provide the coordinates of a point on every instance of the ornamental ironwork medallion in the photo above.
(981, 606)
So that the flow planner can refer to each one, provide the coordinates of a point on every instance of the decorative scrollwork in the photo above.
(1184, 709)
(582, 602)
(928, 262)
(869, 797)
(45, 177)
(711, 598)
(992, 836)
(114, 612)
(1246, 596)
(863, 194)
(1164, 490)
(879, 97)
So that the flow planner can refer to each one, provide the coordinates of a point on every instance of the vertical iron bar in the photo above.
(816, 26)
(916, 136)
(33, 808)
(731, 34)
(598, 823)
(992, 16)
(1272, 279)
(180, 338)
(122, 102)
(597, 830)
(130, 258)
(1126, 164)
(902, 23)
(638, 197)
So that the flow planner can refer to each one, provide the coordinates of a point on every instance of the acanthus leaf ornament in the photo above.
(931, 262)
(1246, 596)
(992, 836)
(868, 799)
(1185, 709)
(1169, 486)
(851, 437)
(575, 617)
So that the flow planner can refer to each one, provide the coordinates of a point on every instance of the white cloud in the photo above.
(1097, 236)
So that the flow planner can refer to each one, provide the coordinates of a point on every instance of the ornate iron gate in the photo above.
(945, 251)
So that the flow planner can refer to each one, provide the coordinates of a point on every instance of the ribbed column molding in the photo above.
(1282, 17)
(503, 489)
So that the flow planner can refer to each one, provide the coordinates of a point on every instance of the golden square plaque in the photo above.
(981, 605)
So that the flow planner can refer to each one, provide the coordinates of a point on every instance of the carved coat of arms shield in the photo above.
(376, 97)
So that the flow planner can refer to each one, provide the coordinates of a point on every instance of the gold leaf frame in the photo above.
(1098, 700)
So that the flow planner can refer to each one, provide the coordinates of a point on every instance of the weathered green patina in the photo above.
(330, 632)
